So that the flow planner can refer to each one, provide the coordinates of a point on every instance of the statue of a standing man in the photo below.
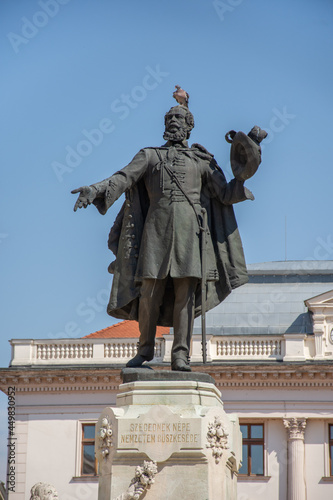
(157, 234)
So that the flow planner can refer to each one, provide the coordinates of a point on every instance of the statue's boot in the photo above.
(180, 365)
(137, 361)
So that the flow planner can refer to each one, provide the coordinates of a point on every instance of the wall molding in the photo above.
(46, 379)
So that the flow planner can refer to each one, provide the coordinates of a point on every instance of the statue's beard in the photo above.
(177, 136)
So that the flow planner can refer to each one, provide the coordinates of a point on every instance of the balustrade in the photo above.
(245, 348)
(64, 351)
(83, 351)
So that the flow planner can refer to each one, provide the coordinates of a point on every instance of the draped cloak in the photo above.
(150, 243)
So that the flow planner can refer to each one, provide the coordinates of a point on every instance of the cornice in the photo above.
(50, 379)
(88, 378)
(282, 375)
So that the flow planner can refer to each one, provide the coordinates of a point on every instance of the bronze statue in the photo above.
(160, 237)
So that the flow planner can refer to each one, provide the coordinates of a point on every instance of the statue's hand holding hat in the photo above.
(245, 152)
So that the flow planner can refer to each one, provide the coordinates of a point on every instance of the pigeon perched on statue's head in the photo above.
(181, 96)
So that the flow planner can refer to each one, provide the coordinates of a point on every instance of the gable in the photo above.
(322, 301)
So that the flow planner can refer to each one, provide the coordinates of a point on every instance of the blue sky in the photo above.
(85, 84)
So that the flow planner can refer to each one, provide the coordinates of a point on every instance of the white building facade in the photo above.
(270, 351)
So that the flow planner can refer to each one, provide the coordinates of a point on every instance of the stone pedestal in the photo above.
(167, 438)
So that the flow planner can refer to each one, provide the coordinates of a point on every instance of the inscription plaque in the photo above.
(159, 433)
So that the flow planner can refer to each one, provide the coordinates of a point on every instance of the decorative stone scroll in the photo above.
(143, 479)
(217, 438)
(105, 437)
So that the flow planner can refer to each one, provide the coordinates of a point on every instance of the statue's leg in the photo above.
(183, 318)
(151, 297)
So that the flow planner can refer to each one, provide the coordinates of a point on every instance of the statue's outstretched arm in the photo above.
(86, 196)
(103, 194)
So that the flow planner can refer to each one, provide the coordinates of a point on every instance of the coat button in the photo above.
(133, 236)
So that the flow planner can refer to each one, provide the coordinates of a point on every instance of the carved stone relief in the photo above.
(105, 437)
(217, 438)
(43, 491)
(295, 427)
(143, 479)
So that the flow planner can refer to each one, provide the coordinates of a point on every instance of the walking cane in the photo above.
(203, 284)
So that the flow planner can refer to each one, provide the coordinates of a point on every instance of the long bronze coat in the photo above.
(157, 232)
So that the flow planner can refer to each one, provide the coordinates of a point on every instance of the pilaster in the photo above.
(296, 461)
(319, 330)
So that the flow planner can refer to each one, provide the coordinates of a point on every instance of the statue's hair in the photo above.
(188, 117)
(39, 490)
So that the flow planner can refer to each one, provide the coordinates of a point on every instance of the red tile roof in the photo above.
(124, 329)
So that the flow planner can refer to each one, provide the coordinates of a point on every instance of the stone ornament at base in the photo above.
(175, 423)
(217, 438)
(104, 441)
(144, 478)
(43, 491)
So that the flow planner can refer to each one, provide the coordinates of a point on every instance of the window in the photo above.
(253, 450)
(88, 460)
(330, 444)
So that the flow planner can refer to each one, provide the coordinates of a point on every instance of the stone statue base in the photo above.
(167, 438)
